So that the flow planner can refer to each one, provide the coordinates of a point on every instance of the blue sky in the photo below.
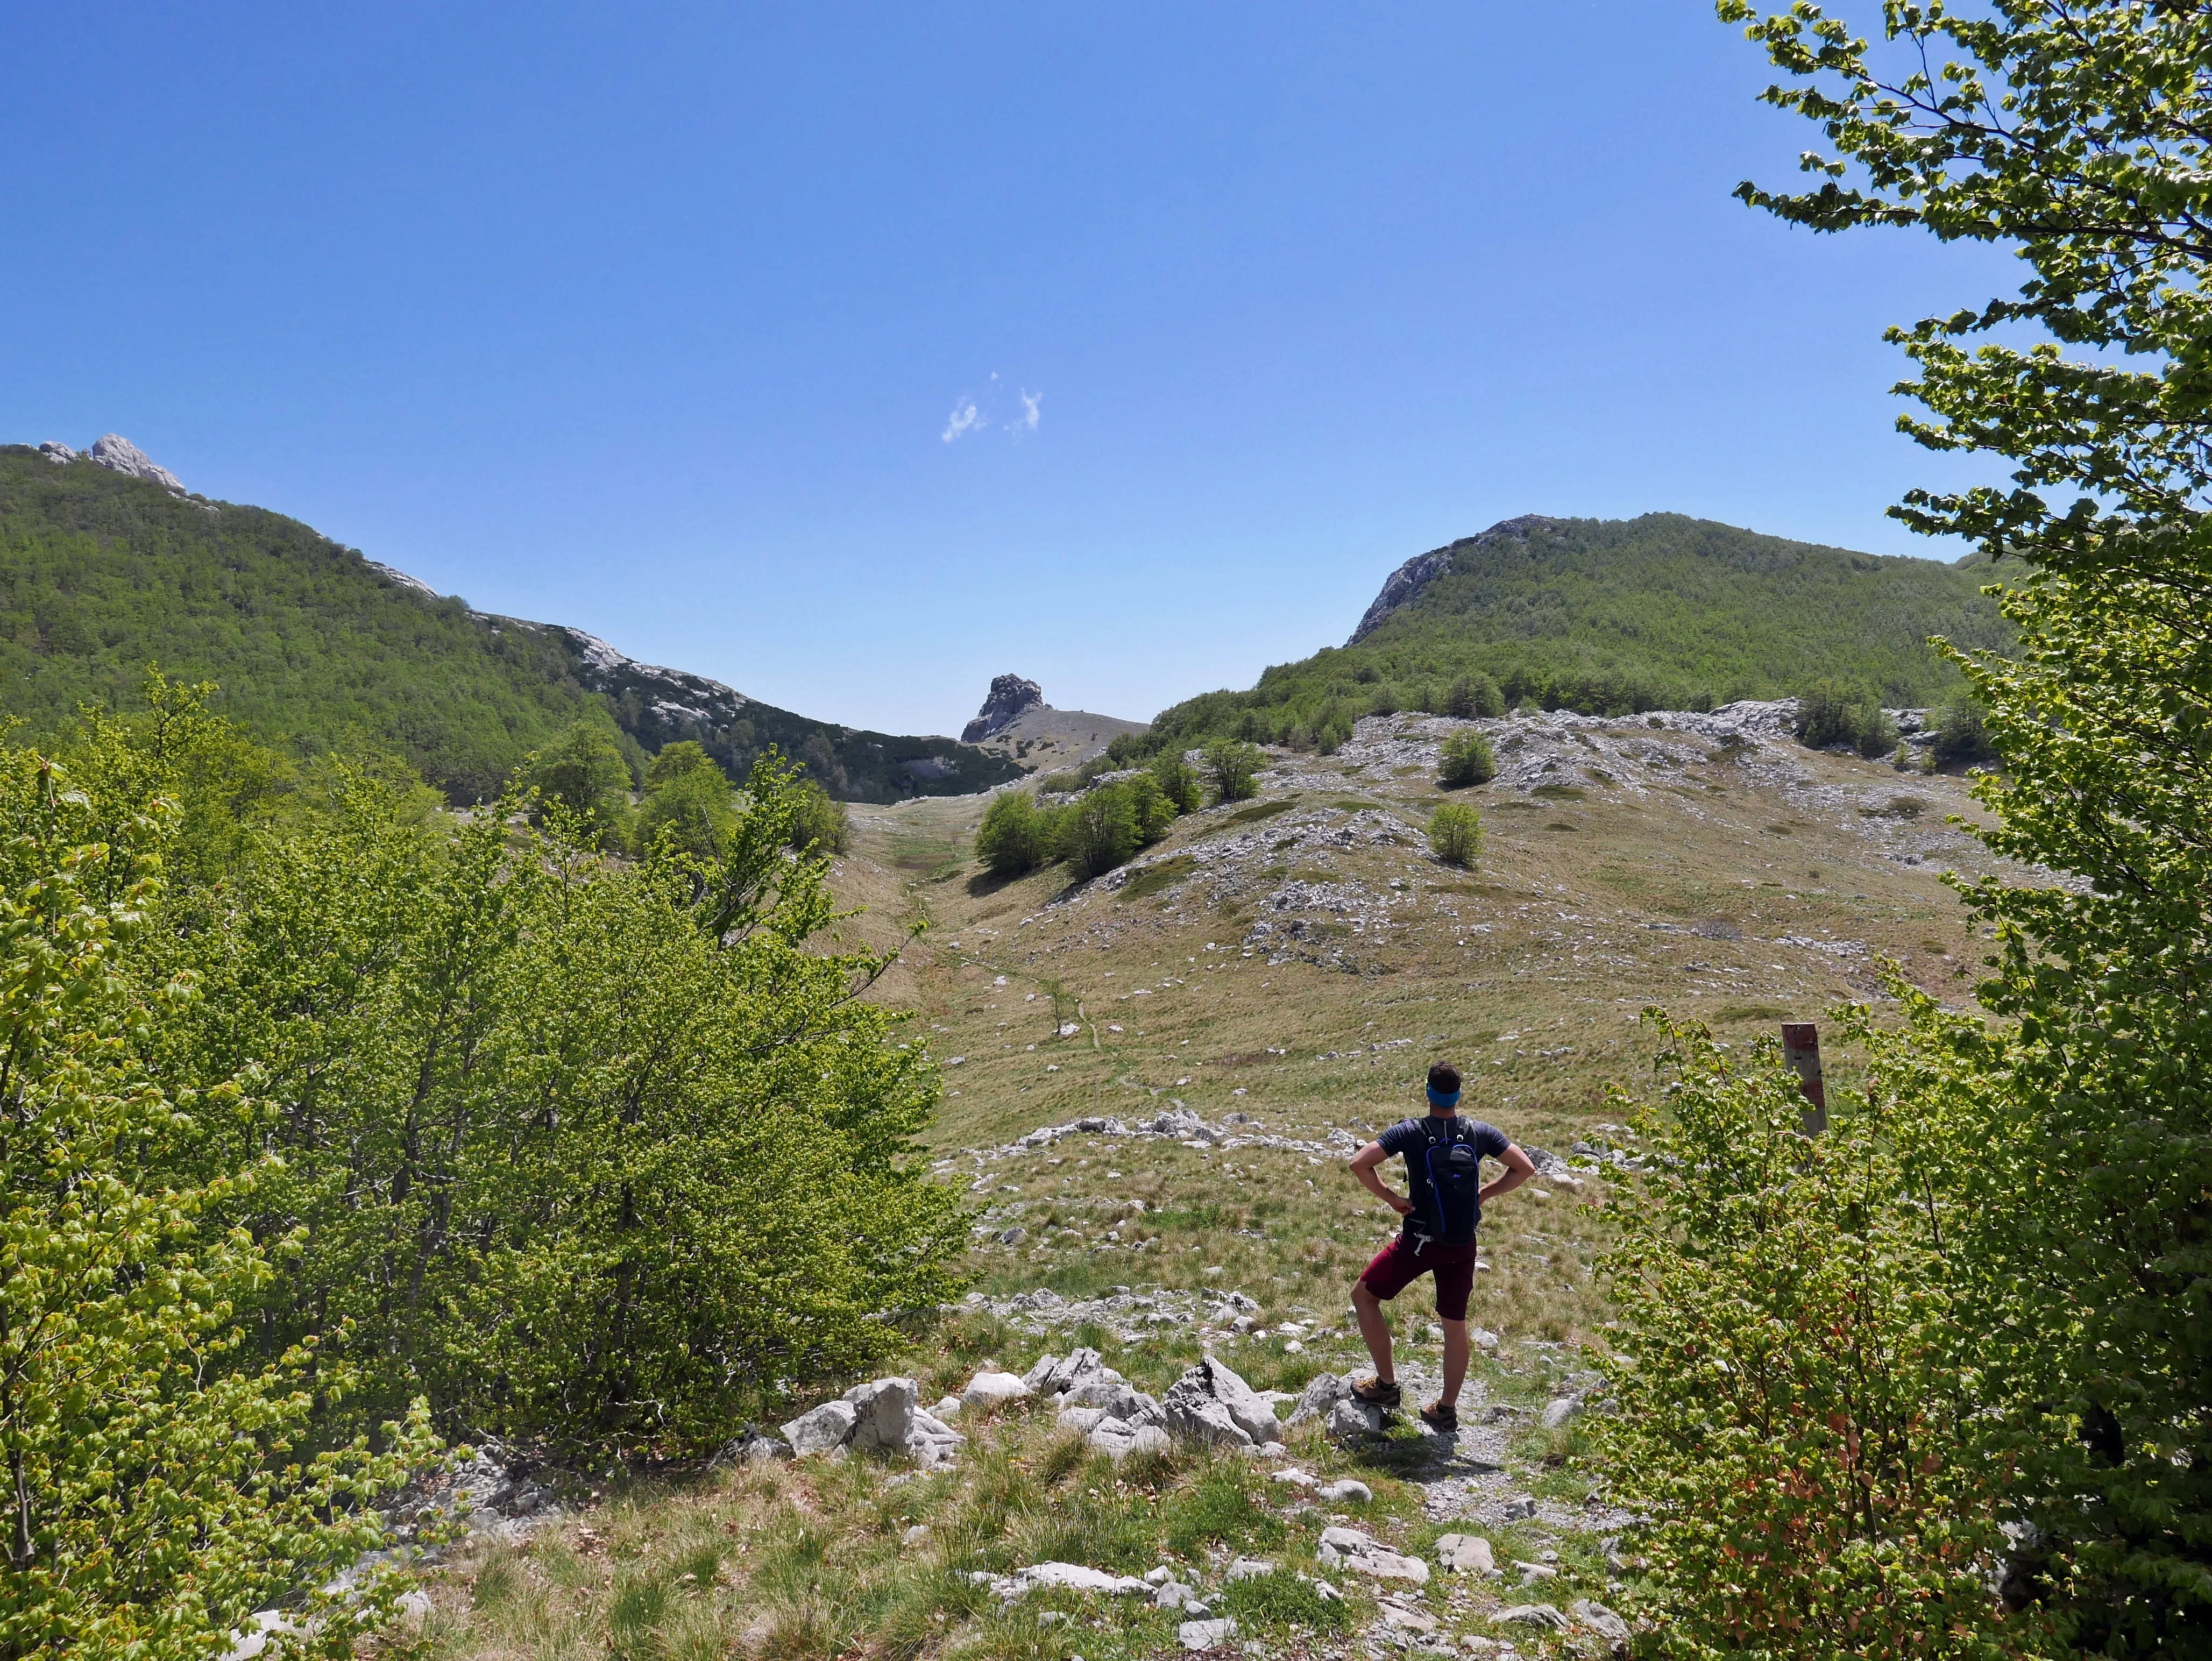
(663, 322)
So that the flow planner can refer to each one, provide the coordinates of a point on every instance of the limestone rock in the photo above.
(118, 454)
(1557, 1411)
(1532, 1615)
(1118, 1438)
(1466, 1554)
(1084, 1419)
(932, 1441)
(755, 1446)
(1322, 1393)
(828, 1426)
(1067, 1577)
(1368, 1555)
(884, 1409)
(1347, 1490)
(989, 1389)
(1213, 1385)
(1250, 1568)
(1003, 705)
(1205, 1634)
(1602, 1622)
(1352, 1418)
(59, 454)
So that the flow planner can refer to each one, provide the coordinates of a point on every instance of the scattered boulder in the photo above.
(989, 1389)
(884, 1409)
(1604, 1622)
(751, 1447)
(1205, 1634)
(827, 1427)
(1532, 1573)
(1250, 1568)
(1557, 1411)
(1408, 1619)
(1212, 1403)
(1368, 1556)
(1466, 1554)
(1322, 1393)
(1532, 1615)
(948, 1407)
(1118, 1438)
(1352, 1418)
(1120, 1398)
(1347, 1490)
(1520, 1510)
(1066, 1577)
(1082, 1419)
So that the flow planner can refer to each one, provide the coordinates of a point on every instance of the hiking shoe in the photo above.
(1438, 1417)
(1375, 1393)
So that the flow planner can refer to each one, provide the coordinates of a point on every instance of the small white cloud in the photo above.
(966, 418)
(1014, 412)
(1033, 409)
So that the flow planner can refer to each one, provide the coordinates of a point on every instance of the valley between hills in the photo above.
(1153, 1079)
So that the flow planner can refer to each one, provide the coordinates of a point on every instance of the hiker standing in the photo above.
(1444, 1192)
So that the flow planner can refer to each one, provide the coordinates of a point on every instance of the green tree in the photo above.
(688, 807)
(1098, 831)
(1475, 696)
(1012, 840)
(157, 1494)
(1455, 834)
(1232, 769)
(819, 820)
(1831, 712)
(582, 773)
(2077, 136)
(1794, 1379)
(1150, 808)
(1466, 760)
(1178, 781)
(1962, 735)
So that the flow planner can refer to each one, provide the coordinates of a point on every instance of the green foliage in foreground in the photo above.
(1232, 769)
(318, 651)
(1455, 834)
(159, 1491)
(1795, 1380)
(605, 1154)
(2027, 1203)
(1613, 617)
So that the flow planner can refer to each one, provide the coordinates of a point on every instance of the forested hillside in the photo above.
(1611, 616)
(314, 646)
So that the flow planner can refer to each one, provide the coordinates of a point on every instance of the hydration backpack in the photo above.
(1454, 1166)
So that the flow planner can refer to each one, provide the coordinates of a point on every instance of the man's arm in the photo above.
(1363, 1167)
(1519, 1167)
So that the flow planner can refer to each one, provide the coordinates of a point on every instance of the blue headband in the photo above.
(1442, 1098)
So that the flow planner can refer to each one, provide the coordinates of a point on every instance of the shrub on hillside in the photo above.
(1467, 759)
(159, 1495)
(1232, 769)
(1475, 696)
(820, 823)
(1831, 712)
(582, 773)
(1153, 814)
(1455, 834)
(1012, 839)
(689, 806)
(1098, 832)
(1836, 1490)
(1178, 781)
(585, 1152)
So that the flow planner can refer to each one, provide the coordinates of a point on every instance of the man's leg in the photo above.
(1376, 1332)
(1456, 1354)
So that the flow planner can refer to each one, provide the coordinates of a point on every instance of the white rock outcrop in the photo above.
(1367, 1555)
(118, 454)
(1466, 1554)
(989, 1389)
(1212, 1403)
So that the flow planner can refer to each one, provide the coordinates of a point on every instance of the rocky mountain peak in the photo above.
(1009, 696)
(1404, 586)
(118, 454)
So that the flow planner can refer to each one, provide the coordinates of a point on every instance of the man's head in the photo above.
(1444, 1089)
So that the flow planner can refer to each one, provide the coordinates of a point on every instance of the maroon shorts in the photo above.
(1399, 1264)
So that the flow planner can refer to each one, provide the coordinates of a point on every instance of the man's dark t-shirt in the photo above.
(1410, 1138)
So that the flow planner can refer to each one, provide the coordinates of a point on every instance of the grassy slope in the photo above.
(1682, 874)
(101, 574)
(1618, 615)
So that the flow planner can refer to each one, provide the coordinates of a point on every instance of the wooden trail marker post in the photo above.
(1800, 1048)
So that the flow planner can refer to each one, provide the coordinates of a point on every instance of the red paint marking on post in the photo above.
(1800, 1048)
